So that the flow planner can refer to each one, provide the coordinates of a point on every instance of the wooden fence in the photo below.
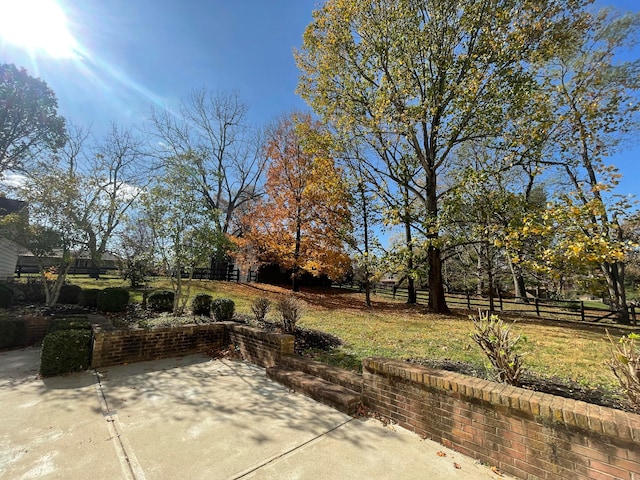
(543, 308)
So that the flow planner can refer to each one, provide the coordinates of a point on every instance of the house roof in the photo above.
(8, 205)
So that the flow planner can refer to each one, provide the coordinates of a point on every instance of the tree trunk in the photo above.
(614, 275)
(411, 290)
(518, 282)
(437, 300)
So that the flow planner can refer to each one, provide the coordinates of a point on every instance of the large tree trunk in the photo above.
(614, 275)
(437, 301)
(518, 282)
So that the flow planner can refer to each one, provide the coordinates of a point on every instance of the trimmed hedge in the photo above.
(161, 301)
(223, 309)
(201, 304)
(89, 297)
(65, 351)
(58, 324)
(113, 299)
(69, 294)
(13, 333)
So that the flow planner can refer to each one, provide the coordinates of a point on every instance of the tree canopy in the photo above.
(29, 121)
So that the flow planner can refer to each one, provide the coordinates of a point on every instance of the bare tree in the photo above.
(210, 130)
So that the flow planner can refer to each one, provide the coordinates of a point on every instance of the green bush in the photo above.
(58, 324)
(65, 351)
(32, 291)
(69, 294)
(13, 333)
(201, 304)
(161, 301)
(6, 296)
(89, 297)
(223, 309)
(113, 299)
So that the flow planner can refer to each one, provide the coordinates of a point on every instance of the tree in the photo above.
(182, 225)
(301, 222)
(51, 232)
(426, 77)
(29, 121)
(135, 251)
(594, 98)
(210, 129)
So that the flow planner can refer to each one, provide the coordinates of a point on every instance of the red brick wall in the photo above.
(114, 347)
(36, 328)
(260, 347)
(523, 433)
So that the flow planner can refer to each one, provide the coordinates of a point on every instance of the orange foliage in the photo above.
(302, 219)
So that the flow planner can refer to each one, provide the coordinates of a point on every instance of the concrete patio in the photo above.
(196, 418)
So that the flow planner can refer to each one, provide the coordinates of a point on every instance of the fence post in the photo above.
(582, 310)
(537, 307)
(468, 301)
(500, 298)
(633, 315)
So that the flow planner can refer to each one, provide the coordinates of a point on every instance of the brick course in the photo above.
(526, 434)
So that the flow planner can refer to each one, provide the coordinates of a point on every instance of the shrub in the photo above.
(260, 306)
(161, 301)
(201, 304)
(13, 333)
(223, 309)
(33, 291)
(500, 347)
(113, 299)
(6, 296)
(89, 297)
(58, 324)
(65, 351)
(625, 364)
(291, 310)
(69, 294)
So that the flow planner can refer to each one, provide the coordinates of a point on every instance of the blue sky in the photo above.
(139, 53)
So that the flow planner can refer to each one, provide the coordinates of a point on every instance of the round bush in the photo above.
(13, 333)
(69, 294)
(161, 301)
(113, 299)
(201, 304)
(89, 297)
(223, 309)
(6, 296)
(65, 351)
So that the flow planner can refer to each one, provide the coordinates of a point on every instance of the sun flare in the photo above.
(37, 25)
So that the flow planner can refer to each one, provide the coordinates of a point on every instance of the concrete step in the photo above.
(336, 396)
(336, 375)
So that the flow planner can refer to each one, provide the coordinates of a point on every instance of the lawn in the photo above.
(394, 329)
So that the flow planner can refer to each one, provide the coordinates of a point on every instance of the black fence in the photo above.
(543, 308)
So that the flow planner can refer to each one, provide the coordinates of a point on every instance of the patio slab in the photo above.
(196, 418)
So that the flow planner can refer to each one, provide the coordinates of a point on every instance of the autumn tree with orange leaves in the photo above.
(302, 220)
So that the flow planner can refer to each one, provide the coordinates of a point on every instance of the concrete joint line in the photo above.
(289, 452)
(131, 469)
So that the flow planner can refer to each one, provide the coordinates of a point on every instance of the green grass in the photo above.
(393, 329)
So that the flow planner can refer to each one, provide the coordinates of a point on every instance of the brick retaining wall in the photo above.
(114, 347)
(260, 347)
(524, 433)
(37, 326)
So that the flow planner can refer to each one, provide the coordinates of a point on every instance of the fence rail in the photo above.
(548, 309)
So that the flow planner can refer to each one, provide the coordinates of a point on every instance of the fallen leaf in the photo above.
(441, 454)
(457, 465)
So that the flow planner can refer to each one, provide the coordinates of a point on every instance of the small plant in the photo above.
(260, 307)
(625, 364)
(89, 297)
(500, 347)
(291, 310)
(201, 304)
(13, 333)
(6, 296)
(65, 351)
(223, 309)
(161, 301)
(69, 294)
(113, 299)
